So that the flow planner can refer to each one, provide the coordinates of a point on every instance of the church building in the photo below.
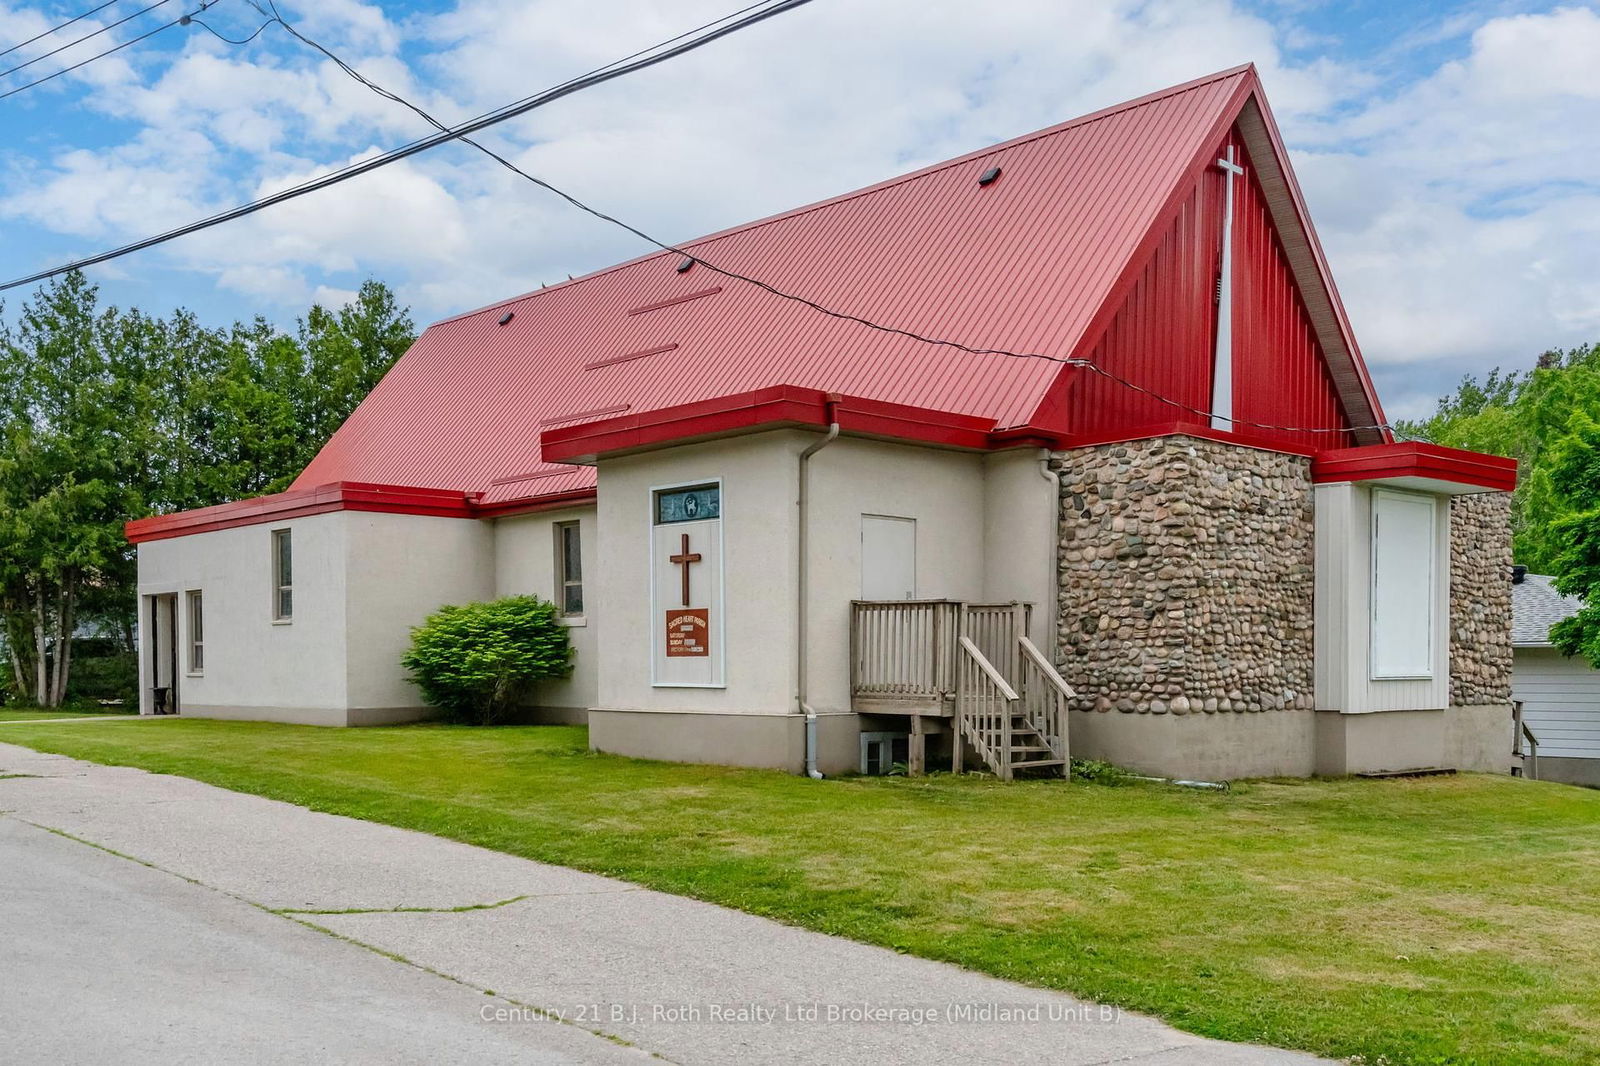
(1064, 448)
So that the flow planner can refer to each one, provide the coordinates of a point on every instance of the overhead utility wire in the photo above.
(602, 74)
(775, 291)
(180, 20)
(678, 45)
(57, 29)
(70, 44)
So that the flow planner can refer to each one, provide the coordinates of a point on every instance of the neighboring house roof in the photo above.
(1031, 263)
(1535, 607)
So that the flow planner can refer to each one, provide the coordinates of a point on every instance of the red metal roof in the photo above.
(1026, 263)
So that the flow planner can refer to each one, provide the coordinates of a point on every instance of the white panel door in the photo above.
(1402, 585)
(888, 558)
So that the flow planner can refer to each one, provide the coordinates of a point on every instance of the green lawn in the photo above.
(1435, 920)
(8, 714)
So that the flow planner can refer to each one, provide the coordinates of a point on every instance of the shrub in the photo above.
(1100, 772)
(475, 661)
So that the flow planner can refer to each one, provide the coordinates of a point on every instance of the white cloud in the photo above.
(1454, 206)
(1462, 215)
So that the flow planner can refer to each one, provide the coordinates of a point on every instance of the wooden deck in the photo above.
(950, 665)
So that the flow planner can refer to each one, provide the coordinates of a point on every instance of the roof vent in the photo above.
(990, 176)
(507, 317)
(685, 263)
(1519, 574)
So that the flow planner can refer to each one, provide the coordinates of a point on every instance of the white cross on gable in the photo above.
(1222, 375)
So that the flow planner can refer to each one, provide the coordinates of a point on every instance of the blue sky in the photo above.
(1445, 149)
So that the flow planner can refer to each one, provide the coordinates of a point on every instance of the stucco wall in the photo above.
(401, 568)
(1019, 537)
(1480, 599)
(1186, 578)
(758, 507)
(252, 664)
(944, 491)
(525, 552)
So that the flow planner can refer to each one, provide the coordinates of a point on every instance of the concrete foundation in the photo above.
(1455, 738)
(1584, 772)
(332, 716)
(1197, 746)
(770, 741)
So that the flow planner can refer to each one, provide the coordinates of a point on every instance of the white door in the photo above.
(888, 558)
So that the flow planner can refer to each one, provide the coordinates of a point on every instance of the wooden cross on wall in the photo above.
(684, 558)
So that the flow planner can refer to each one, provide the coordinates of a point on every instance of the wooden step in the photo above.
(1038, 762)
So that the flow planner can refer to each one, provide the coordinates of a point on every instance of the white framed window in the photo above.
(282, 576)
(569, 569)
(1404, 559)
(195, 609)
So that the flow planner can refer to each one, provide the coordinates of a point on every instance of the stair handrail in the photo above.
(1047, 711)
(1520, 730)
(998, 756)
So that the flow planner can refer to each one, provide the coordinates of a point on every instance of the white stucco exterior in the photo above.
(984, 531)
(524, 564)
(256, 667)
(361, 581)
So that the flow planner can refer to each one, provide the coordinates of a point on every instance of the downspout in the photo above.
(1052, 556)
(832, 405)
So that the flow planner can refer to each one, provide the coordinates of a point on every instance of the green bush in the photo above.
(477, 660)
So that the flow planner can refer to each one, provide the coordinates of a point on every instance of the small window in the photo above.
(569, 569)
(688, 505)
(282, 576)
(197, 633)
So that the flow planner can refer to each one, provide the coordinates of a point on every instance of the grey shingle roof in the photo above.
(1535, 607)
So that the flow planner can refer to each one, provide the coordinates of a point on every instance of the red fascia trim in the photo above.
(769, 408)
(1185, 429)
(1415, 459)
(557, 502)
(339, 496)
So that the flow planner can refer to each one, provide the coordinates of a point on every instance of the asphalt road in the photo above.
(146, 918)
(106, 961)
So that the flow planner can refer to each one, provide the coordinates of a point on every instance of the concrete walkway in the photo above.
(153, 918)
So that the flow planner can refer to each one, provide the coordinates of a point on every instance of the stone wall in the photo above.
(1480, 599)
(1186, 577)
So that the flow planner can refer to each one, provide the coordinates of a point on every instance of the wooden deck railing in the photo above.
(899, 649)
(970, 661)
(985, 704)
(906, 649)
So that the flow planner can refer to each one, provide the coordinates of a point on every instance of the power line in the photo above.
(613, 70)
(774, 290)
(675, 46)
(180, 20)
(85, 37)
(58, 29)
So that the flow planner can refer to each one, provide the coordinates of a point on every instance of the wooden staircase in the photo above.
(969, 664)
(1011, 728)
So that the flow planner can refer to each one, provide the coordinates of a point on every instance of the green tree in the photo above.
(1573, 477)
(62, 496)
(347, 351)
(1522, 415)
(109, 415)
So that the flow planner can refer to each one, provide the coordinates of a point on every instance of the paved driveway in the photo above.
(147, 918)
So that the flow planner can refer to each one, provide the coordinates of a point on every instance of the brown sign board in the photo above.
(688, 631)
